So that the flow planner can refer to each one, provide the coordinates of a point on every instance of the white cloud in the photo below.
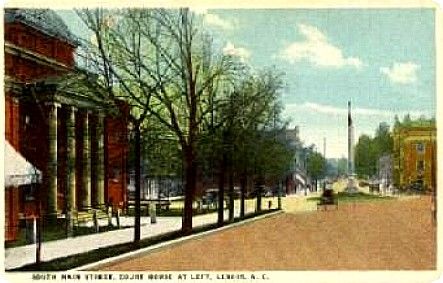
(317, 50)
(320, 108)
(213, 19)
(401, 72)
(239, 52)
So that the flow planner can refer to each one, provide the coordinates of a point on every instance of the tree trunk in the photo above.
(221, 191)
(259, 192)
(243, 183)
(137, 184)
(231, 194)
(190, 187)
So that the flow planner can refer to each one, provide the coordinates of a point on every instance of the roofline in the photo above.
(73, 41)
(34, 56)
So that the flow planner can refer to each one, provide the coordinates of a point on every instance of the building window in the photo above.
(115, 174)
(420, 148)
(420, 165)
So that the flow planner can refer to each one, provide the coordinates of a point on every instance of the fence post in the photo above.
(109, 210)
(69, 224)
(152, 212)
(95, 220)
(118, 217)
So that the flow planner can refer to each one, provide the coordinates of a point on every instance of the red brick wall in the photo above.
(412, 157)
(27, 70)
(31, 39)
(11, 194)
(33, 134)
(116, 150)
(12, 115)
(11, 213)
(27, 38)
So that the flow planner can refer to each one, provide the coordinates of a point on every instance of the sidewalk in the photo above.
(19, 256)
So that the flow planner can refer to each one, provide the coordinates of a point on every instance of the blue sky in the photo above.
(383, 60)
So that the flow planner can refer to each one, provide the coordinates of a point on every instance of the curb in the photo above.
(171, 242)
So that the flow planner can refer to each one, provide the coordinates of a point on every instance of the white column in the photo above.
(52, 159)
(86, 182)
(100, 164)
(71, 172)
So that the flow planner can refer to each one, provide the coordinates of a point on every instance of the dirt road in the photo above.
(385, 235)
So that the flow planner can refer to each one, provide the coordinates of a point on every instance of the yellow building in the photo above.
(414, 155)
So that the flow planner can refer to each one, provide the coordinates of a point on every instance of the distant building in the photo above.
(414, 155)
(156, 186)
(385, 171)
(297, 177)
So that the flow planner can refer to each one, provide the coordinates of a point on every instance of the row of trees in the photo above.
(316, 167)
(217, 115)
(368, 150)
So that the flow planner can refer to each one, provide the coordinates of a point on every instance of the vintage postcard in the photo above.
(228, 142)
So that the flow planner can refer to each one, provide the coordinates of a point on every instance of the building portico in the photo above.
(75, 138)
(75, 151)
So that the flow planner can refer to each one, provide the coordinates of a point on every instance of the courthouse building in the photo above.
(76, 140)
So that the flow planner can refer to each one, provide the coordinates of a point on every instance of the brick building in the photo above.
(414, 155)
(76, 140)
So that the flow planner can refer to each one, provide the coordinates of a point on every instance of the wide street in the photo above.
(383, 235)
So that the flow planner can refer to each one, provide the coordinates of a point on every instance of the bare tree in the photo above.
(158, 61)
